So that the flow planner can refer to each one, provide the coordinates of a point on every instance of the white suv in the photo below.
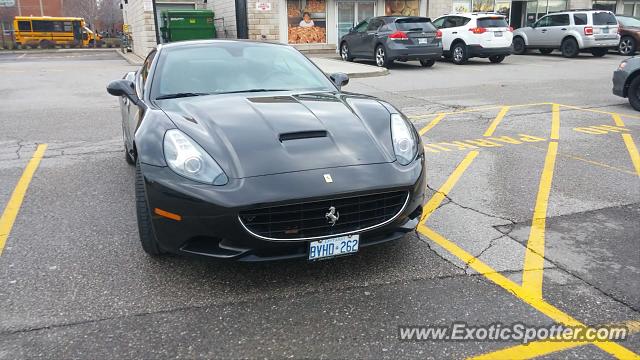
(570, 31)
(485, 35)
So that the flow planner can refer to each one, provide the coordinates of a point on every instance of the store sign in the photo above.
(263, 6)
(7, 3)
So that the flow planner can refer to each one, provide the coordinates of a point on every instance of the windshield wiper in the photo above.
(179, 95)
(249, 90)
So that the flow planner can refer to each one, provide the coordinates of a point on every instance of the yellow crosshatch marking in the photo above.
(531, 289)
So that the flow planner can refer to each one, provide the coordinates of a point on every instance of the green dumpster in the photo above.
(178, 25)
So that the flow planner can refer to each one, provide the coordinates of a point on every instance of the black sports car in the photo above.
(246, 150)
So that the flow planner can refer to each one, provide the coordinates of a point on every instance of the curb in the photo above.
(45, 51)
(131, 58)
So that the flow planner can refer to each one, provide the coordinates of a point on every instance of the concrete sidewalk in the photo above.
(329, 66)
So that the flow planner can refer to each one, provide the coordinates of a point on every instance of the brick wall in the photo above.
(139, 15)
(263, 25)
(32, 7)
(224, 9)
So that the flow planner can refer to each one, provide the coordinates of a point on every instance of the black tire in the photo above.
(345, 52)
(45, 44)
(127, 157)
(545, 51)
(519, 47)
(569, 48)
(459, 54)
(427, 62)
(496, 59)
(627, 46)
(145, 228)
(599, 52)
(380, 56)
(633, 93)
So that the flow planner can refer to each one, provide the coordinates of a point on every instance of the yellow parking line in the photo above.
(431, 124)
(478, 109)
(533, 300)
(496, 121)
(628, 142)
(570, 156)
(13, 206)
(534, 254)
(555, 122)
(541, 348)
(440, 195)
(599, 111)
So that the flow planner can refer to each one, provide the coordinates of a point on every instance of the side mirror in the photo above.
(123, 87)
(339, 79)
(352, 30)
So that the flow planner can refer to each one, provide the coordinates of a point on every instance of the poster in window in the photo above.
(402, 7)
(462, 6)
(483, 5)
(307, 21)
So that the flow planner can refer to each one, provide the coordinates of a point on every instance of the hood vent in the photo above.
(303, 135)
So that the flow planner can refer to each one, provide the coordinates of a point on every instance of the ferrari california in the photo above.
(247, 151)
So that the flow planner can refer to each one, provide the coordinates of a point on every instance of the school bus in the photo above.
(46, 31)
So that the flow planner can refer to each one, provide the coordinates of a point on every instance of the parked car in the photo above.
(629, 34)
(386, 39)
(626, 81)
(484, 35)
(247, 151)
(573, 31)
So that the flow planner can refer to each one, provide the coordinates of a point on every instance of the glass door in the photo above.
(350, 13)
(346, 17)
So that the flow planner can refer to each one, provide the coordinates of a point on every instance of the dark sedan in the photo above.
(389, 38)
(629, 35)
(246, 150)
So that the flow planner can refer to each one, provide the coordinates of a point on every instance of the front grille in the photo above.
(309, 220)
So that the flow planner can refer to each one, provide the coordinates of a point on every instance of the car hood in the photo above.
(253, 135)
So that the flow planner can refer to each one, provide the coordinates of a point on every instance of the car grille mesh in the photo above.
(308, 220)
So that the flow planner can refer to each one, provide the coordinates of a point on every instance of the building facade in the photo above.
(318, 24)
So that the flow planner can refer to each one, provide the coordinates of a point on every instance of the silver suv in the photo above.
(570, 31)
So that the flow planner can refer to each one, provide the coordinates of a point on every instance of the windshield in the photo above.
(629, 21)
(235, 67)
(414, 24)
(604, 18)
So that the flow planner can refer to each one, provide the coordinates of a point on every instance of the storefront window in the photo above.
(307, 21)
(604, 5)
(632, 8)
(461, 6)
(402, 7)
(483, 5)
(503, 7)
(556, 5)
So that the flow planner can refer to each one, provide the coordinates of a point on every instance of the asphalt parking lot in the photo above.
(533, 217)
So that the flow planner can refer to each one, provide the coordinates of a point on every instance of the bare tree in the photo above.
(87, 9)
(109, 15)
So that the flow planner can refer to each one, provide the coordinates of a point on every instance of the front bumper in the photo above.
(619, 81)
(484, 52)
(209, 224)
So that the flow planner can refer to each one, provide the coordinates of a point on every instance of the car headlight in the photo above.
(405, 144)
(187, 158)
(622, 65)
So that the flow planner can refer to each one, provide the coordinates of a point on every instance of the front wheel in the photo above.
(459, 54)
(634, 93)
(427, 62)
(381, 57)
(599, 52)
(519, 47)
(145, 228)
(627, 46)
(496, 59)
(344, 52)
(569, 48)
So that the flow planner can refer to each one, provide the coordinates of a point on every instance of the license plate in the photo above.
(327, 248)
(423, 41)
(605, 31)
(497, 34)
